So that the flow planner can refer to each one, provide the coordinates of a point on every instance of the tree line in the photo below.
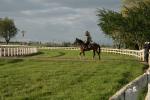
(128, 28)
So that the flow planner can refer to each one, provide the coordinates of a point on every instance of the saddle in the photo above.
(87, 46)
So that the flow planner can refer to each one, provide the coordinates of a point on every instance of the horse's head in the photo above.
(78, 42)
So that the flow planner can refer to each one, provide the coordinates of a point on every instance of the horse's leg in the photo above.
(93, 54)
(98, 54)
(80, 55)
(83, 54)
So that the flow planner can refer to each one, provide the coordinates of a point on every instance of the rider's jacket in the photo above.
(88, 39)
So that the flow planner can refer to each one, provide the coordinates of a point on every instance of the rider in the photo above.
(88, 39)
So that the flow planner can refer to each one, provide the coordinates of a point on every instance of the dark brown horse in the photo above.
(83, 47)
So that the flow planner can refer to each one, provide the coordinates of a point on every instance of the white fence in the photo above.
(137, 53)
(64, 48)
(132, 90)
(16, 50)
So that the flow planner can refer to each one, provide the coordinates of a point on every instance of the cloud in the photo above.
(82, 3)
(62, 20)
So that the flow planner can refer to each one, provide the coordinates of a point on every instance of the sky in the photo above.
(57, 20)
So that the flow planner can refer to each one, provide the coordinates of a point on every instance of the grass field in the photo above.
(61, 75)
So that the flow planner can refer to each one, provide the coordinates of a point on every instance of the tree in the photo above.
(138, 18)
(7, 29)
(112, 24)
(131, 29)
(133, 1)
(130, 3)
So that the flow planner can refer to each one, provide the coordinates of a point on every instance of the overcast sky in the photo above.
(57, 20)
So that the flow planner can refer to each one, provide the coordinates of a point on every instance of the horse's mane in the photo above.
(79, 40)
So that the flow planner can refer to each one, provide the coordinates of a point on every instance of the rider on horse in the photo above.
(88, 39)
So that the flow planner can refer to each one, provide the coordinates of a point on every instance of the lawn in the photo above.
(61, 75)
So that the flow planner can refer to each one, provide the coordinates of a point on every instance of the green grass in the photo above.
(46, 79)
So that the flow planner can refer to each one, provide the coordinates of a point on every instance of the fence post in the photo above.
(4, 52)
(23, 51)
(143, 54)
(8, 52)
(11, 50)
(14, 51)
(17, 51)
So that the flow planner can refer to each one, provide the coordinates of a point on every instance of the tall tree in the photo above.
(130, 28)
(7, 29)
(138, 18)
(130, 3)
(112, 24)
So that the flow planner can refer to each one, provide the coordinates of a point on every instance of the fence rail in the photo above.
(64, 48)
(137, 53)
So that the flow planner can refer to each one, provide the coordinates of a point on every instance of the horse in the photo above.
(93, 46)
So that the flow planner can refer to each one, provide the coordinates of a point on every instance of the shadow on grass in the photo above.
(41, 53)
(34, 54)
(145, 67)
(9, 61)
(125, 78)
(15, 61)
(119, 59)
(59, 55)
(2, 64)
